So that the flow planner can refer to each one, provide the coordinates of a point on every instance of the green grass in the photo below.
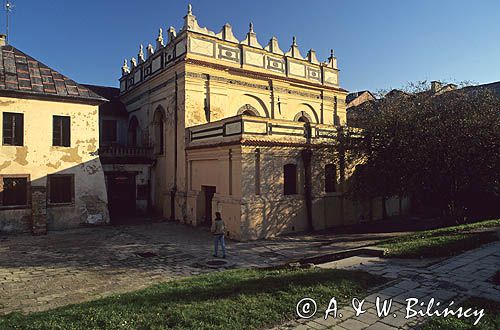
(443, 242)
(490, 321)
(236, 299)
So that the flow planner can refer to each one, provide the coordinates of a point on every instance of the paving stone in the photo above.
(353, 324)
(380, 326)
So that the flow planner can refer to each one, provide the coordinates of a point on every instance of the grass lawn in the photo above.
(490, 320)
(235, 299)
(443, 242)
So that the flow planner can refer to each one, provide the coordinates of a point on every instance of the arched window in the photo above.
(248, 110)
(330, 178)
(159, 131)
(133, 128)
(290, 179)
(303, 117)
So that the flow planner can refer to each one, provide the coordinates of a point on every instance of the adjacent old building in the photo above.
(50, 173)
(237, 127)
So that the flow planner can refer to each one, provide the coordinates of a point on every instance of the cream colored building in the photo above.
(50, 173)
(241, 128)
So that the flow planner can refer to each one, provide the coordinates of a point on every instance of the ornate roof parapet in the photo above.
(159, 39)
(332, 61)
(273, 46)
(194, 42)
(227, 34)
(125, 68)
(150, 50)
(172, 34)
(191, 24)
(294, 50)
(251, 38)
(311, 56)
(140, 55)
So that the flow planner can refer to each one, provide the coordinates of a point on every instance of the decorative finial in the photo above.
(171, 34)
(159, 39)
(294, 50)
(125, 68)
(151, 50)
(332, 61)
(190, 9)
(251, 27)
(141, 54)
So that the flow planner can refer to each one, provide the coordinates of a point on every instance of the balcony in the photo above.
(120, 154)
(258, 130)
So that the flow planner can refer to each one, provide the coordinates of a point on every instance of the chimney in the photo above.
(435, 86)
(3, 39)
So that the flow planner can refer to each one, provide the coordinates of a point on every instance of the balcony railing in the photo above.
(125, 154)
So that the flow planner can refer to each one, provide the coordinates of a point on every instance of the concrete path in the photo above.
(44, 272)
(457, 278)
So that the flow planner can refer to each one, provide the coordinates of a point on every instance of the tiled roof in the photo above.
(21, 73)
(493, 87)
(114, 107)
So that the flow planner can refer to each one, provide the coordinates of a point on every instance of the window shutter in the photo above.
(8, 126)
(19, 130)
(66, 138)
(56, 135)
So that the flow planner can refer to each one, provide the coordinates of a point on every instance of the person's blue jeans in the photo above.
(217, 239)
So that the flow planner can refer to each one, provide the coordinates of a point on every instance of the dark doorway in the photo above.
(208, 194)
(121, 196)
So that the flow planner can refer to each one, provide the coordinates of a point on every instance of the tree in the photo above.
(442, 149)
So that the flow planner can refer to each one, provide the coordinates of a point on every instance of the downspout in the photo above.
(306, 159)
(174, 187)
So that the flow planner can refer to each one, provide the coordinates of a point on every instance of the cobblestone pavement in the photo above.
(456, 278)
(44, 272)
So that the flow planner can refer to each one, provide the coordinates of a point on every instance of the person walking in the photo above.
(218, 229)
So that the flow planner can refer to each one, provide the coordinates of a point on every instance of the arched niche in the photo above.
(303, 117)
(306, 112)
(133, 132)
(248, 110)
(252, 104)
(159, 130)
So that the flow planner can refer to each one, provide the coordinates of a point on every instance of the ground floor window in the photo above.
(14, 190)
(330, 177)
(290, 179)
(61, 188)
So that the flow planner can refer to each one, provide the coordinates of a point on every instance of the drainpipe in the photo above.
(174, 188)
(306, 159)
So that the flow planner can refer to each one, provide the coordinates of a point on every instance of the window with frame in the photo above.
(13, 129)
(61, 131)
(14, 190)
(109, 131)
(330, 178)
(290, 179)
(61, 188)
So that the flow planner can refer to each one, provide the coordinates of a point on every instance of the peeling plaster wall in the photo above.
(38, 158)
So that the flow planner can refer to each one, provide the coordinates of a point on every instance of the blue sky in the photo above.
(379, 44)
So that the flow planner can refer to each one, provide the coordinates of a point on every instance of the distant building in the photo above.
(357, 98)
(50, 174)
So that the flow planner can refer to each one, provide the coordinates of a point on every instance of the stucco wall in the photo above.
(38, 158)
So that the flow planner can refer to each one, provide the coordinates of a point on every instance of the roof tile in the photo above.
(22, 73)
